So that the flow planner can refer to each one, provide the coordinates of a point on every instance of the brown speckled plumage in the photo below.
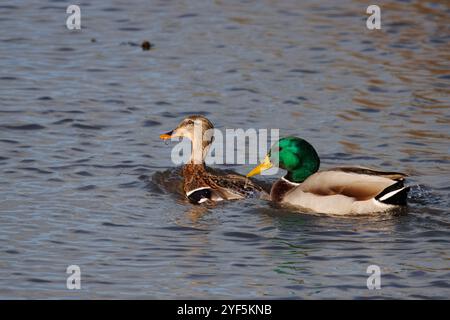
(227, 187)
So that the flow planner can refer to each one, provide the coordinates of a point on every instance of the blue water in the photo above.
(85, 180)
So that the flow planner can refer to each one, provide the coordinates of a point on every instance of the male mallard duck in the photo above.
(200, 185)
(347, 190)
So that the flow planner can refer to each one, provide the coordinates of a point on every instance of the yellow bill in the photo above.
(266, 164)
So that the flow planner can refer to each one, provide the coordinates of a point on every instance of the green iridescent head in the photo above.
(295, 155)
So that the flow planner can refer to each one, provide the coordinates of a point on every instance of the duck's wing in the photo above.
(356, 182)
(234, 186)
(201, 185)
(371, 172)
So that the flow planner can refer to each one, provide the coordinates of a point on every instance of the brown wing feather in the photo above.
(230, 186)
(235, 184)
(361, 186)
(371, 172)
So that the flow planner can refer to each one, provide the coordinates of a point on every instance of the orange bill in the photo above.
(166, 136)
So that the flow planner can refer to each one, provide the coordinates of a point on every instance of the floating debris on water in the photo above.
(146, 45)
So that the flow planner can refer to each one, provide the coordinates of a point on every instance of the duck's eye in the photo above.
(190, 122)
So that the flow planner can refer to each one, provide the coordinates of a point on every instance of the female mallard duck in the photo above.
(200, 185)
(346, 190)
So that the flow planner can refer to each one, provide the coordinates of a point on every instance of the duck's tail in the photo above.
(395, 194)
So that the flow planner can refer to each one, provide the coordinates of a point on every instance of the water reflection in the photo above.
(85, 180)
